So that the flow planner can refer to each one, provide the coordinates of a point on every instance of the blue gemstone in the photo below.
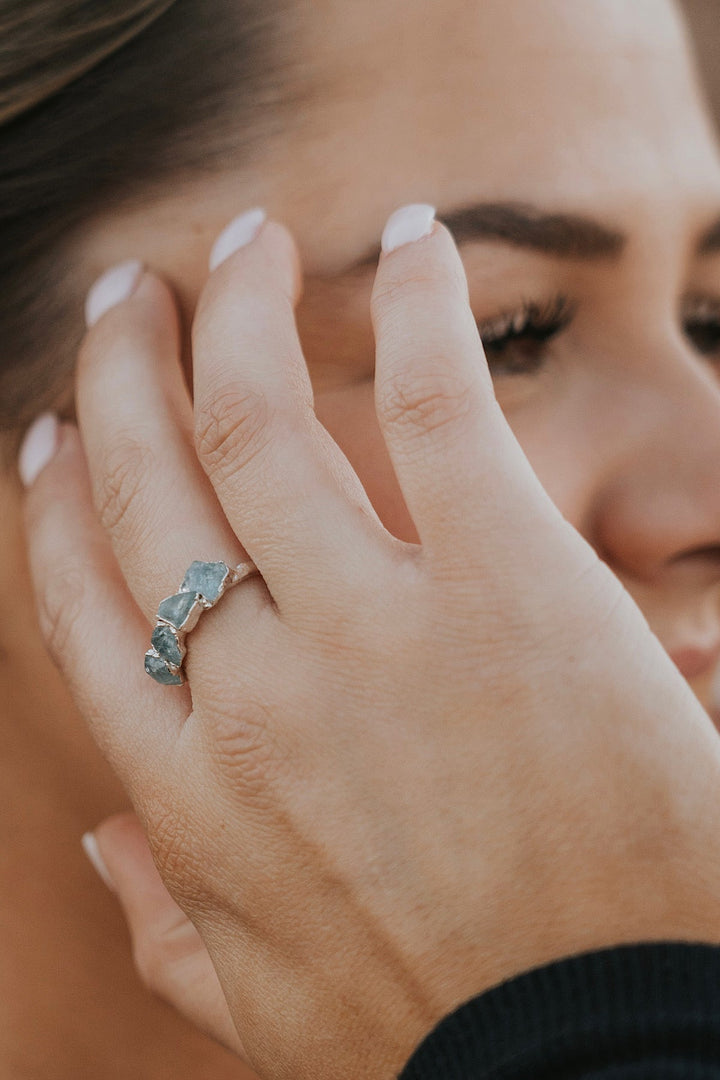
(206, 578)
(166, 644)
(158, 670)
(176, 609)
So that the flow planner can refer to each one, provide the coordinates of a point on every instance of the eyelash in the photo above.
(701, 324)
(516, 342)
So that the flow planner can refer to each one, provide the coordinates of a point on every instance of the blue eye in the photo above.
(516, 342)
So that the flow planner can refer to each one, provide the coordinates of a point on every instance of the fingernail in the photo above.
(113, 287)
(91, 849)
(239, 233)
(406, 225)
(38, 447)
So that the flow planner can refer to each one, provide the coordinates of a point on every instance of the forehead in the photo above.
(588, 103)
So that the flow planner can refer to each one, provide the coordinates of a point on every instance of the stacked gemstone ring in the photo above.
(203, 586)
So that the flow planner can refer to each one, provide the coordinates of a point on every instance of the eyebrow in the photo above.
(520, 225)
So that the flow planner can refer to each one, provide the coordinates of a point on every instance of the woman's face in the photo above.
(564, 144)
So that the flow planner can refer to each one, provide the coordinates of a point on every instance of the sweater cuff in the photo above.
(652, 1002)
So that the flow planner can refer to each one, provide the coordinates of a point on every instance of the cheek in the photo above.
(348, 413)
(571, 433)
(562, 462)
(556, 450)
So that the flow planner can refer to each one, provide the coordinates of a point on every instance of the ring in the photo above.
(203, 586)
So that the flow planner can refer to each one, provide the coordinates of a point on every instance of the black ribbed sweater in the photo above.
(635, 1012)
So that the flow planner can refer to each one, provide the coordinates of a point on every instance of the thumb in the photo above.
(169, 953)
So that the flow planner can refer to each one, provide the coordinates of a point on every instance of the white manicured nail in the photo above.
(406, 225)
(115, 286)
(239, 233)
(38, 448)
(91, 849)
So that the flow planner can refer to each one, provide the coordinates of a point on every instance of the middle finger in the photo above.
(292, 496)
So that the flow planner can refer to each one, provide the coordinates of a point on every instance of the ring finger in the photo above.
(135, 417)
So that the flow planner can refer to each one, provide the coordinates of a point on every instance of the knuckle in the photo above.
(60, 607)
(159, 949)
(393, 289)
(150, 961)
(243, 748)
(172, 845)
(232, 429)
(126, 468)
(168, 952)
(425, 402)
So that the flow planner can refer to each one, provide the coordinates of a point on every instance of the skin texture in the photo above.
(623, 431)
(422, 768)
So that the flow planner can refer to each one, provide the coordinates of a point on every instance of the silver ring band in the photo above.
(203, 587)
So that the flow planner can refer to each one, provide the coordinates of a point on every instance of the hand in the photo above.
(406, 772)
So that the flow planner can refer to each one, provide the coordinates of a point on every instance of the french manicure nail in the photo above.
(238, 234)
(91, 849)
(406, 225)
(113, 287)
(38, 447)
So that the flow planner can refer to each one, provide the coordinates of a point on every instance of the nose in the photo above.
(656, 512)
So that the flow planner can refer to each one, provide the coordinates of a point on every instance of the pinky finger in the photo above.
(169, 953)
(92, 627)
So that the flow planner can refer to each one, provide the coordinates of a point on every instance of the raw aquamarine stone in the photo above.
(206, 578)
(158, 670)
(166, 644)
(177, 609)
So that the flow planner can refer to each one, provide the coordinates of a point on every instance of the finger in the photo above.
(135, 418)
(92, 627)
(452, 450)
(288, 491)
(169, 953)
